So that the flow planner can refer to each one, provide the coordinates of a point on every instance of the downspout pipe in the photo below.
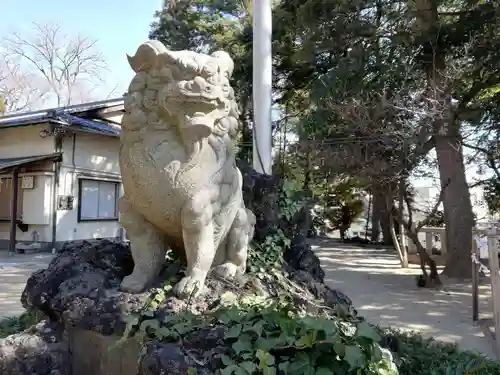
(73, 164)
(55, 186)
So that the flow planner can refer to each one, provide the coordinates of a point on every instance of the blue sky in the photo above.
(119, 26)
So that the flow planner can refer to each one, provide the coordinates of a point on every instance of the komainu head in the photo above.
(188, 88)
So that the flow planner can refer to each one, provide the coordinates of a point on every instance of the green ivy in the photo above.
(269, 254)
(266, 334)
(289, 204)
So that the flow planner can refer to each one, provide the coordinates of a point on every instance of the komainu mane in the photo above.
(182, 189)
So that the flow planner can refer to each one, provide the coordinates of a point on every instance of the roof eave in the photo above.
(29, 122)
(21, 119)
(14, 163)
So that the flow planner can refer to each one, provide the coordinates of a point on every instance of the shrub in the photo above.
(16, 324)
(422, 356)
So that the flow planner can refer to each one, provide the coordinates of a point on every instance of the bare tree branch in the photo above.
(16, 88)
(489, 157)
(478, 183)
(64, 67)
(435, 208)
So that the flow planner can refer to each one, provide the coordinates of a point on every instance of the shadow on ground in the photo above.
(387, 295)
(14, 272)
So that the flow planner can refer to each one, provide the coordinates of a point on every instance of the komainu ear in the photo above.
(146, 55)
(226, 63)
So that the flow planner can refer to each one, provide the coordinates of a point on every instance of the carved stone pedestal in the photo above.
(96, 354)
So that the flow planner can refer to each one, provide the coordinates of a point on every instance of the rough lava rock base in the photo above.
(39, 350)
(80, 289)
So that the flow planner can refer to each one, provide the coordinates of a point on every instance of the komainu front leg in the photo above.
(198, 237)
(147, 246)
(238, 239)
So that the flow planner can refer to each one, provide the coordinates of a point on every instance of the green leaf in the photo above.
(191, 371)
(365, 329)
(248, 366)
(264, 344)
(240, 371)
(153, 324)
(167, 288)
(164, 332)
(301, 365)
(160, 297)
(329, 327)
(181, 328)
(323, 371)
(229, 370)
(226, 360)
(247, 356)
(269, 371)
(354, 356)
(228, 315)
(377, 353)
(132, 320)
(308, 340)
(243, 344)
(257, 327)
(234, 331)
(265, 358)
(283, 366)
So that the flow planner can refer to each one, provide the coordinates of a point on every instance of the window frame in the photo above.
(98, 181)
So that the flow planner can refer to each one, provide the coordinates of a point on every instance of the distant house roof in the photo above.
(6, 165)
(87, 117)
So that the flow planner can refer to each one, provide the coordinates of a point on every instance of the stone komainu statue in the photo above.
(182, 189)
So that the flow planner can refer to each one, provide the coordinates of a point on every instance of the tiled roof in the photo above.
(68, 116)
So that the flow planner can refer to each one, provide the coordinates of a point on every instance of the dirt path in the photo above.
(14, 272)
(387, 295)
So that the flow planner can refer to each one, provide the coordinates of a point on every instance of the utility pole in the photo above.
(262, 85)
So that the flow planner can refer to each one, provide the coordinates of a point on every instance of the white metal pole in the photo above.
(262, 85)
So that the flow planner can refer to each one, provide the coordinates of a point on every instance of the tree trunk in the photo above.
(385, 224)
(245, 148)
(403, 259)
(376, 214)
(432, 279)
(381, 219)
(458, 216)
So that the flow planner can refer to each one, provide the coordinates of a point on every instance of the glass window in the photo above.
(98, 200)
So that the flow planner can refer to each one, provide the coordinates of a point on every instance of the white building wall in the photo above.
(25, 141)
(115, 117)
(36, 207)
(94, 157)
(426, 197)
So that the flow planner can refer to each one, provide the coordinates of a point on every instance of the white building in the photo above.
(426, 197)
(64, 163)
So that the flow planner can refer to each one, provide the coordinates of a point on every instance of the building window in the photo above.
(98, 200)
